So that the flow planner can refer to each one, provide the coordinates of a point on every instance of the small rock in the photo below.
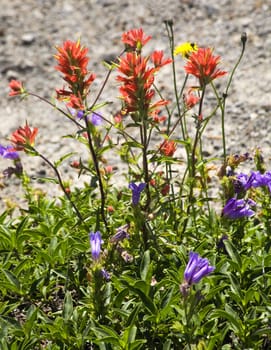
(28, 38)
(12, 74)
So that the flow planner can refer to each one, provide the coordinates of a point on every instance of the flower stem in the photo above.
(98, 173)
(61, 185)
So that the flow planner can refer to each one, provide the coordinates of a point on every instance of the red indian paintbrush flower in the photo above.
(158, 59)
(168, 148)
(190, 99)
(23, 136)
(16, 88)
(72, 62)
(137, 91)
(135, 39)
(203, 65)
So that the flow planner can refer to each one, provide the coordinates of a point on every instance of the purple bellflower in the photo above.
(243, 182)
(95, 243)
(262, 179)
(238, 208)
(105, 274)
(96, 119)
(136, 191)
(255, 179)
(121, 234)
(196, 269)
(9, 152)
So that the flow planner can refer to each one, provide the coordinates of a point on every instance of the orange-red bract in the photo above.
(135, 39)
(16, 88)
(203, 65)
(168, 148)
(23, 136)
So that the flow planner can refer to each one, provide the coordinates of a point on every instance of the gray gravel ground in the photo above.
(30, 29)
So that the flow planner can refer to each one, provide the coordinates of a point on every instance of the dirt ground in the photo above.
(30, 30)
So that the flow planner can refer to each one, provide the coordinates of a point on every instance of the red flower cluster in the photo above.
(16, 88)
(24, 136)
(203, 65)
(168, 148)
(137, 79)
(72, 62)
(135, 39)
(190, 99)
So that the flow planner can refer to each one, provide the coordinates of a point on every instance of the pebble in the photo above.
(28, 38)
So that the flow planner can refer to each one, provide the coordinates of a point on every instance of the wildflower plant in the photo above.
(151, 260)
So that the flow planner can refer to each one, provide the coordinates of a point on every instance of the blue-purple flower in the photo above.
(96, 119)
(255, 179)
(121, 234)
(95, 243)
(238, 208)
(196, 269)
(105, 274)
(136, 191)
(9, 152)
(243, 182)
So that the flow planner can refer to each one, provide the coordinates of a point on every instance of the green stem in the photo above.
(192, 165)
(144, 142)
(98, 173)
(61, 184)
(222, 105)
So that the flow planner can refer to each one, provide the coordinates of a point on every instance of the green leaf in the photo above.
(229, 315)
(233, 253)
(145, 299)
(145, 265)
(68, 306)
(137, 344)
(132, 317)
(13, 280)
(61, 159)
(31, 317)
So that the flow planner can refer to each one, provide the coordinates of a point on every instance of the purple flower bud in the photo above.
(80, 114)
(196, 269)
(238, 208)
(105, 274)
(95, 243)
(136, 191)
(121, 234)
(17, 170)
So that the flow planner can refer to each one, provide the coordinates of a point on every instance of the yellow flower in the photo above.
(185, 49)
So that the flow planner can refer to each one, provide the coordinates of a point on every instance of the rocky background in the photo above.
(30, 30)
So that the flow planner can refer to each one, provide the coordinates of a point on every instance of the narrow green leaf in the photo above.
(144, 266)
(231, 317)
(132, 317)
(137, 344)
(233, 254)
(61, 159)
(13, 280)
(68, 306)
(31, 317)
